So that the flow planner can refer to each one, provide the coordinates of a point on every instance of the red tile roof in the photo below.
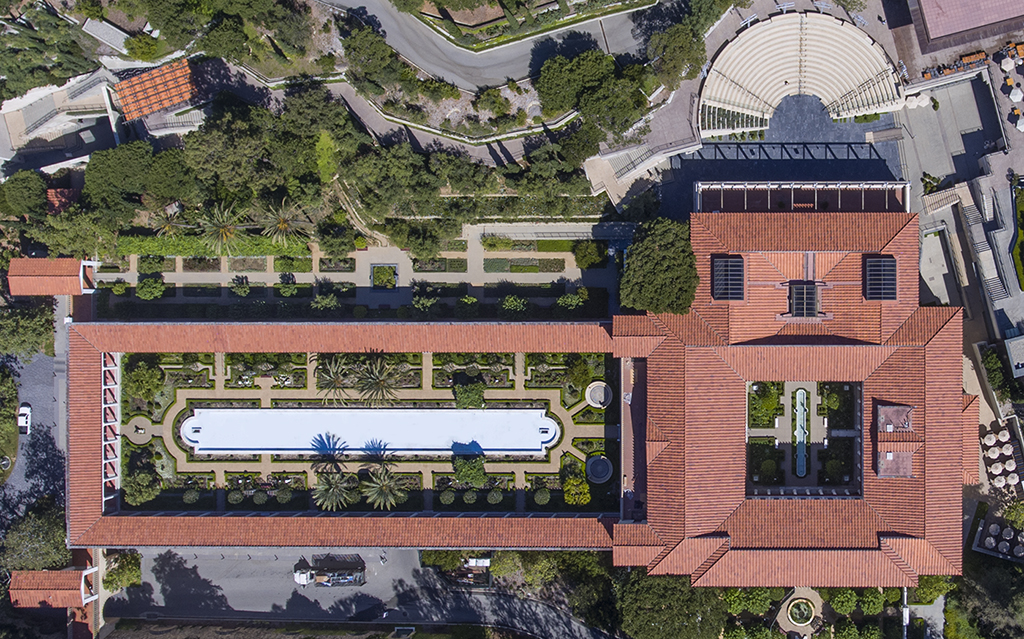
(897, 528)
(970, 446)
(154, 90)
(43, 276)
(46, 588)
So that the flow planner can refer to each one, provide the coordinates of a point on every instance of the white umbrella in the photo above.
(993, 453)
(1007, 64)
(1004, 435)
(1013, 479)
(1007, 449)
(1016, 95)
(1010, 465)
(999, 481)
(1007, 533)
(1018, 551)
(990, 440)
(994, 529)
(1004, 547)
(990, 542)
(996, 468)
(1020, 123)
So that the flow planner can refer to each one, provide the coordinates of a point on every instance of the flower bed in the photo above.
(201, 265)
(436, 265)
(458, 265)
(247, 264)
(384, 276)
(285, 264)
(337, 265)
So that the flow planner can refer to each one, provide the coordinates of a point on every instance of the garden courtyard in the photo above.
(407, 432)
(803, 438)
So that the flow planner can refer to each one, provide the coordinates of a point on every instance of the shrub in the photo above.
(141, 47)
(360, 242)
(259, 497)
(843, 601)
(469, 470)
(513, 307)
(448, 497)
(844, 629)
(90, 8)
(576, 491)
(384, 276)
(125, 572)
(541, 496)
(140, 486)
(931, 587)
(240, 286)
(150, 264)
(495, 496)
(468, 307)
(892, 595)
(469, 496)
(872, 601)
(325, 302)
(470, 395)
(288, 289)
(496, 243)
(587, 253)
(359, 312)
(283, 495)
(871, 631)
(768, 468)
(191, 496)
(150, 288)
(1014, 514)
(119, 288)
(235, 497)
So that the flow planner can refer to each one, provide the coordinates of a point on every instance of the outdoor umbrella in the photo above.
(1016, 95)
(1013, 479)
(1004, 435)
(993, 453)
(1007, 533)
(990, 542)
(996, 468)
(1010, 465)
(999, 481)
(990, 440)
(994, 529)
(1007, 449)
(1006, 64)
(1004, 547)
(1020, 123)
(1018, 551)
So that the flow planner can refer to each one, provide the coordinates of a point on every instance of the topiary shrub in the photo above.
(469, 496)
(401, 496)
(448, 497)
(191, 496)
(259, 498)
(872, 601)
(359, 312)
(495, 496)
(541, 496)
(235, 497)
(119, 288)
(843, 601)
(283, 495)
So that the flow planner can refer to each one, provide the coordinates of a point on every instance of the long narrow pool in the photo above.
(801, 433)
(405, 431)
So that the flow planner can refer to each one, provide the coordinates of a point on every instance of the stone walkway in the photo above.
(266, 395)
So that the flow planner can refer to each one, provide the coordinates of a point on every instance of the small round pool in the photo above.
(800, 612)
(599, 469)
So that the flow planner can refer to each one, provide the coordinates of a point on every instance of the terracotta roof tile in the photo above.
(921, 556)
(789, 265)
(822, 523)
(814, 568)
(43, 276)
(154, 90)
(794, 231)
(635, 535)
(394, 531)
(46, 588)
(820, 363)
(85, 436)
(438, 337)
(688, 555)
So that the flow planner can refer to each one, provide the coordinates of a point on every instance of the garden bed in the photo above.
(285, 264)
(201, 265)
(384, 276)
(337, 265)
(247, 264)
(436, 265)
(458, 265)
(764, 461)
(146, 264)
(455, 246)
(501, 289)
(764, 404)
(294, 290)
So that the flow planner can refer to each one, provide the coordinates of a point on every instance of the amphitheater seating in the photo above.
(797, 54)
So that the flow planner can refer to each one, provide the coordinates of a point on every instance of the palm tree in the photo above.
(331, 372)
(165, 223)
(377, 454)
(335, 491)
(285, 223)
(381, 488)
(376, 380)
(330, 453)
(222, 230)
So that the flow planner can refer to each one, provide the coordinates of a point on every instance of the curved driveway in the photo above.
(434, 54)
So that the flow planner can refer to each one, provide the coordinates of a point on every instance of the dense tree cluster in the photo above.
(660, 274)
(36, 541)
(668, 608)
(39, 49)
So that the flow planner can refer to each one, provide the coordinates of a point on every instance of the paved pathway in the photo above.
(933, 616)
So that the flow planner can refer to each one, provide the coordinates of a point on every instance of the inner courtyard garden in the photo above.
(163, 393)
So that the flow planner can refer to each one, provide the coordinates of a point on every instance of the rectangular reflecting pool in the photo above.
(404, 431)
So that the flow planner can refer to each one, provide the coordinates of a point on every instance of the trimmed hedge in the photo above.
(193, 245)
(555, 246)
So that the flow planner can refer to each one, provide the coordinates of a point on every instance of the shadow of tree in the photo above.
(569, 44)
(655, 20)
(214, 76)
(183, 588)
(133, 601)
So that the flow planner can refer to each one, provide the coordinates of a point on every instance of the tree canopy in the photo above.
(36, 542)
(26, 330)
(591, 83)
(39, 49)
(678, 53)
(666, 607)
(660, 274)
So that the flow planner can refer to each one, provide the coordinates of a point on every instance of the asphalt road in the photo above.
(233, 583)
(436, 55)
(39, 466)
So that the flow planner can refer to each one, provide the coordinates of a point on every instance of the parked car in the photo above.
(25, 419)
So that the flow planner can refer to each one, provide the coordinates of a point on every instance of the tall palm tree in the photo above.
(381, 488)
(335, 491)
(166, 223)
(222, 229)
(376, 380)
(284, 223)
(331, 372)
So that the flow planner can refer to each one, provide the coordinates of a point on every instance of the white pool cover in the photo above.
(405, 431)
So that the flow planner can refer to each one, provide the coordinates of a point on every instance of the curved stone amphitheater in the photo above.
(796, 54)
